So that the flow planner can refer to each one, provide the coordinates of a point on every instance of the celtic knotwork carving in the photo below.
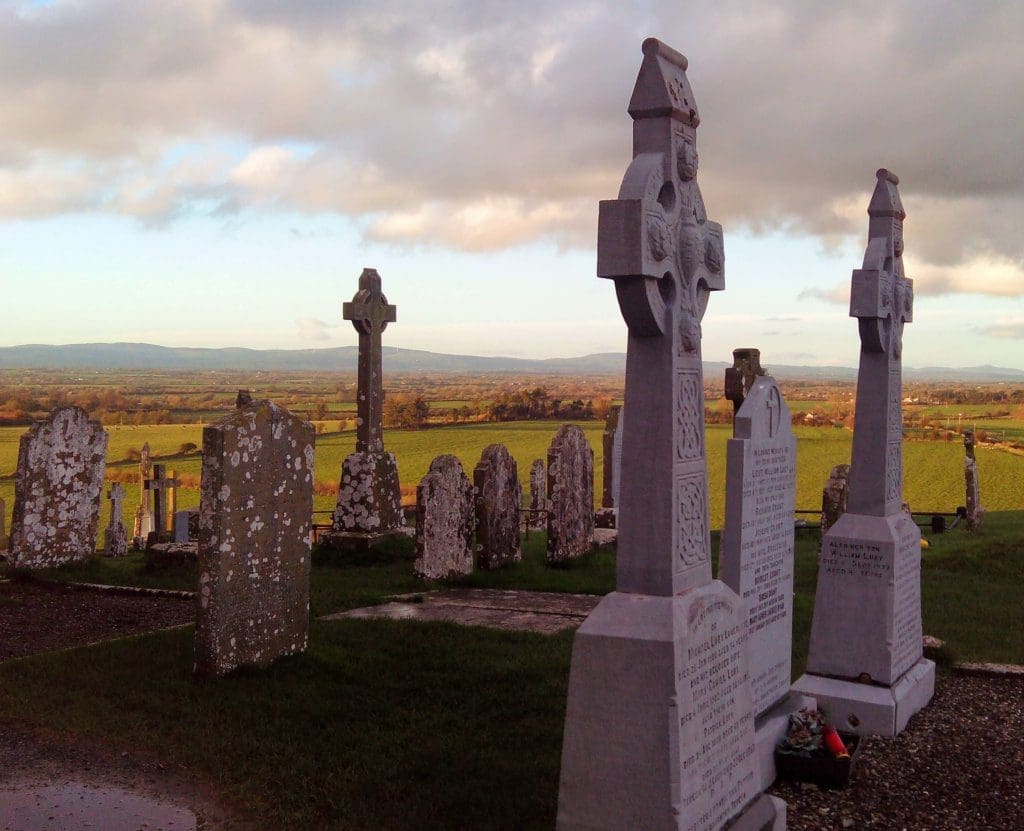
(692, 517)
(689, 417)
(895, 404)
(894, 471)
(659, 238)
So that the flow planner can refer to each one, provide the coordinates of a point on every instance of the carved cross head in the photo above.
(881, 297)
(116, 496)
(369, 310)
(655, 240)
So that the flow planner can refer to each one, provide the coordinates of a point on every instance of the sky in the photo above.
(218, 172)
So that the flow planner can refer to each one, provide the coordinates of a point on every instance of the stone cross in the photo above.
(740, 377)
(882, 299)
(659, 728)
(145, 473)
(159, 484)
(662, 285)
(243, 399)
(116, 497)
(370, 314)
(969, 444)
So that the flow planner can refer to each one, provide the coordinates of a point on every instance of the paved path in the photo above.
(544, 612)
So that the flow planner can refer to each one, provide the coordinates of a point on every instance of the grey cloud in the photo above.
(1013, 330)
(839, 294)
(479, 125)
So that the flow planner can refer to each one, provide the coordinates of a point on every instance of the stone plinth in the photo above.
(499, 497)
(570, 494)
(256, 511)
(756, 555)
(57, 487)
(445, 518)
(369, 498)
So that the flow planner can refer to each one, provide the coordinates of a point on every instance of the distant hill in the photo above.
(112, 356)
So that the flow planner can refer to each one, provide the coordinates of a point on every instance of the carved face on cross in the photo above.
(369, 310)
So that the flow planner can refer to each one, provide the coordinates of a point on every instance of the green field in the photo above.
(933, 477)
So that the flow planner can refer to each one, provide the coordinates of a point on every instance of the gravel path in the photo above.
(959, 766)
(37, 617)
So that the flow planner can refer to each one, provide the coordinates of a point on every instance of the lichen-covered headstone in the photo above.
(115, 538)
(538, 500)
(834, 497)
(865, 662)
(445, 517)
(659, 731)
(570, 494)
(499, 496)
(369, 497)
(256, 506)
(756, 555)
(975, 512)
(57, 489)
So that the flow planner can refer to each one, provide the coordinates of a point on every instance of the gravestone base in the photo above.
(770, 729)
(631, 738)
(115, 541)
(606, 517)
(170, 554)
(361, 540)
(871, 710)
(369, 498)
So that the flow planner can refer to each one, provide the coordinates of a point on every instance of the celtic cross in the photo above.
(370, 314)
(656, 243)
(882, 300)
(116, 497)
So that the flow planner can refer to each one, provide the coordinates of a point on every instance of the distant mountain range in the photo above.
(112, 356)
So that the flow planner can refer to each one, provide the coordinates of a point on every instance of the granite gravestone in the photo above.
(865, 665)
(369, 499)
(538, 500)
(499, 496)
(659, 731)
(115, 538)
(57, 489)
(570, 494)
(445, 518)
(834, 497)
(974, 510)
(756, 555)
(143, 525)
(256, 505)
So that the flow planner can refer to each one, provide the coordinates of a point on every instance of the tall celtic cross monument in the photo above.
(865, 665)
(659, 731)
(369, 499)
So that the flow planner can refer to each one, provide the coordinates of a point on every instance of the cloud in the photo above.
(483, 125)
(1004, 329)
(839, 294)
(311, 328)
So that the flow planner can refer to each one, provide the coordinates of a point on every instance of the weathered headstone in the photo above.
(538, 500)
(57, 488)
(740, 377)
(186, 525)
(659, 731)
(161, 486)
(144, 525)
(756, 555)
(256, 506)
(3, 525)
(115, 538)
(975, 512)
(369, 499)
(570, 494)
(865, 665)
(499, 497)
(612, 465)
(445, 518)
(834, 497)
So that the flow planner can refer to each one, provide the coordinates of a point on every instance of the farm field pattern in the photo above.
(933, 470)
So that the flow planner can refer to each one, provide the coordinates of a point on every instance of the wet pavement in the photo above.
(28, 805)
(545, 612)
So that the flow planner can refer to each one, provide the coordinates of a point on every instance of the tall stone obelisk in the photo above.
(865, 665)
(369, 500)
(659, 730)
